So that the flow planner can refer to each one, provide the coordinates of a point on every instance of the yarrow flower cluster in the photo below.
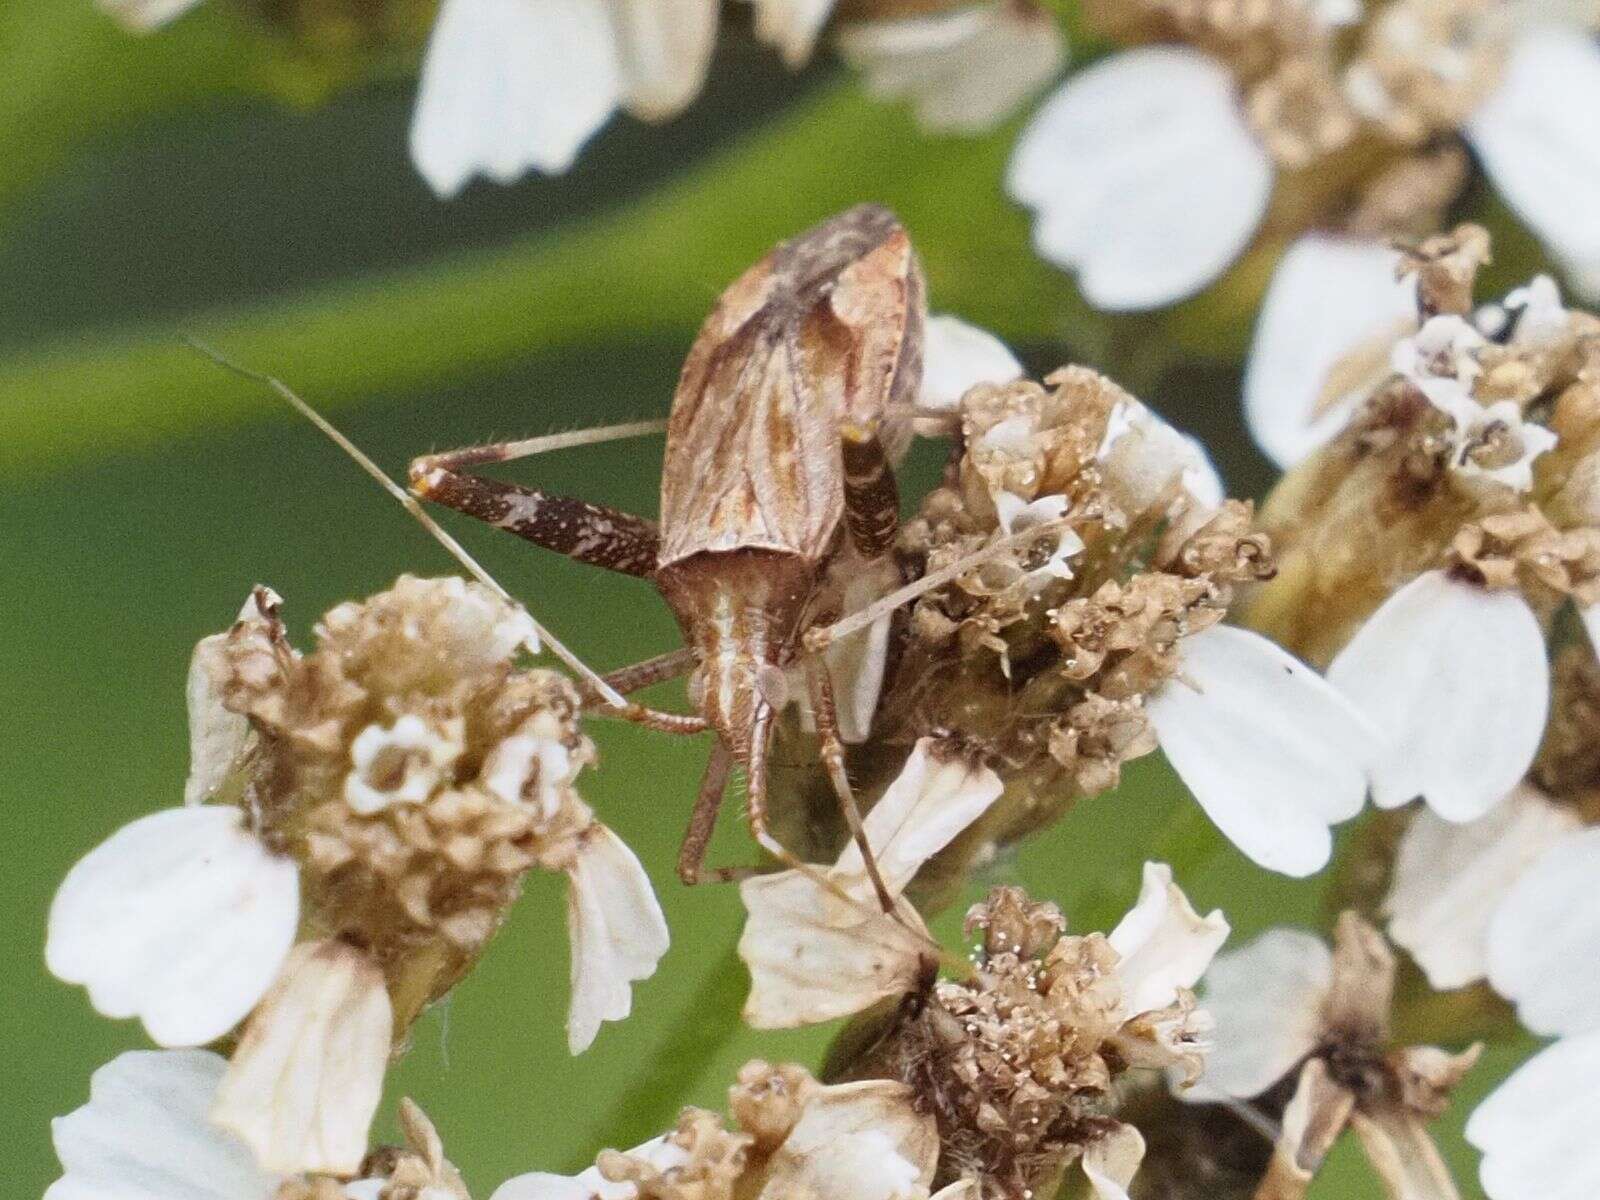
(1152, 171)
(1086, 644)
(356, 823)
(512, 86)
(1419, 610)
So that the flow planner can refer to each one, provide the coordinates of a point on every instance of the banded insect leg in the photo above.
(591, 533)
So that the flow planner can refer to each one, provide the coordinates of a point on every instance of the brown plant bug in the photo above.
(795, 400)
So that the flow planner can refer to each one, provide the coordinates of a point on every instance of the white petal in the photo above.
(856, 663)
(1271, 751)
(141, 16)
(1330, 298)
(1590, 616)
(1455, 678)
(508, 86)
(218, 738)
(1544, 940)
(1141, 454)
(1266, 998)
(1112, 1160)
(935, 796)
(181, 919)
(792, 26)
(1163, 943)
(663, 47)
(146, 1135)
(1144, 175)
(617, 931)
(856, 1141)
(589, 1184)
(807, 966)
(1537, 141)
(957, 356)
(307, 1074)
(1536, 1130)
(1449, 879)
(963, 71)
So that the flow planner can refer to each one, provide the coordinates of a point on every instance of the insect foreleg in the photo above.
(671, 665)
(871, 498)
(590, 533)
(831, 748)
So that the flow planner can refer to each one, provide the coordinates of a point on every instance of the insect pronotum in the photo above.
(794, 403)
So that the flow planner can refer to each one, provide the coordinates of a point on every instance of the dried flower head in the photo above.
(359, 820)
(1089, 633)
(796, 1140)
(1019, 1062)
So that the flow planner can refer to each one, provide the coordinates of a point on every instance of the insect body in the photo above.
(794, 401)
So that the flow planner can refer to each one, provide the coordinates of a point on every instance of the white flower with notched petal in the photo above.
(182, 918)
(1456, 677)
(1322, 341)
(962, 71)
(1150, 172)
(1536, 1130)
(1271, 750)
(1450, 880)
(146, 1134)
(957, 356)
(814, 955)
(1143, 176)
(617, 931)
(510, 86)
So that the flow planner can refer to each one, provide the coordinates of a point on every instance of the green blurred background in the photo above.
(150, 188)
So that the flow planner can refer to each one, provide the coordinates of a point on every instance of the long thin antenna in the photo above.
(409, 502)
(821, 637)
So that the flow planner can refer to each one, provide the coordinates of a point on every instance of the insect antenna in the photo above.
(821, 637)
(539, 638)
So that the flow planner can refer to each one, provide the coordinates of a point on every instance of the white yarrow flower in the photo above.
(1143, 176)
(962, 71)
(1271, 750)
(303, 1085)
(1536, 1130)
(508, 86)
(1456, 679)
(1450, 879)
(957, 356)
(1321, 341)
(182, 918)
(617, 931)
(813, 956)
(146, 1134)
